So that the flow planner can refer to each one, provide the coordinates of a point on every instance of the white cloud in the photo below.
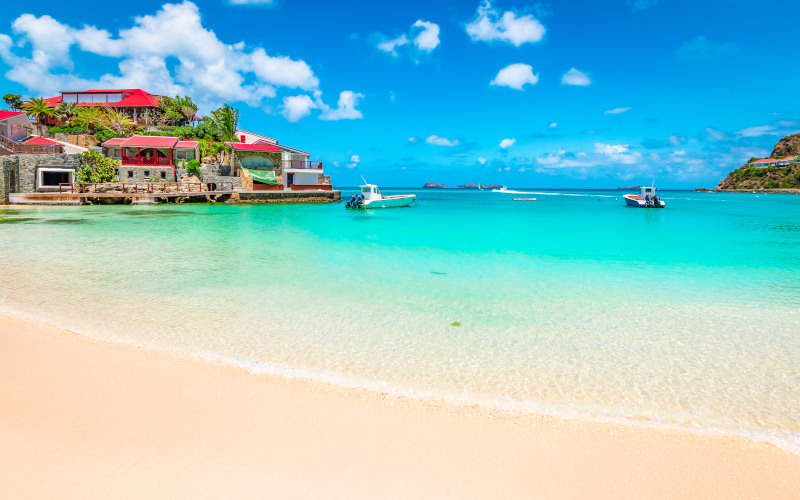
(603, 155)
(412, 140)
(716, 135)
(515, 76)
(575, 77)
(200, 64)
(758, 131)
(553, 125)
(489, 26)
(390, 46)
(482, 160)
(617, 111)
(424, 35)
(354, 161)
(435, 140)
(428, 38)
(346, 107)
(507, 143)
(676, 140)
(297, 107)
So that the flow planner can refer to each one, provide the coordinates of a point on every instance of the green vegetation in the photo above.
(226, 121)
(37, 108)
(179, 110)
(67, 130)
(96, 168)
(66, 110)
(13, 101)
(193, 167)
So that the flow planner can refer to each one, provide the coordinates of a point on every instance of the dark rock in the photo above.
(433, 185)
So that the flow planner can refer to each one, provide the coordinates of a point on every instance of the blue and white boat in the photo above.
(370, 197)
(647, 198)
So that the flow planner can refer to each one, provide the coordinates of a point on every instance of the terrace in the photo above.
(149, 151)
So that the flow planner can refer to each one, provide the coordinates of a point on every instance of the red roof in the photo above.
(144, 141)
(766, 160)
(790, 158)
(131, 98)
(239, 146)
(8, 114)
(116, 141)
(187, 144)
(42, 141)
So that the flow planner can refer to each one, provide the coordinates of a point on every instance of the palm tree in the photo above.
(38, 108)
(116, 121)
(66, 110)
(226, 120)
(88, 118)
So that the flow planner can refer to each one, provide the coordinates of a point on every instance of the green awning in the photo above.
(263, 176)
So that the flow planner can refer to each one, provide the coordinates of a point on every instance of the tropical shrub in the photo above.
(67, 130)
(95, 167)
(103, 134)
(193, 167)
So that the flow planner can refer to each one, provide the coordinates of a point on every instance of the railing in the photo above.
(301, 164)
(146, 160)
(126, 188)
(17, 148)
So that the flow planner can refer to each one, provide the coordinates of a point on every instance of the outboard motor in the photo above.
(657, 201)
(359, 200)
(648, 200)
(351, 203)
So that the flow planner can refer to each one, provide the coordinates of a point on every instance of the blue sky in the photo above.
(552, 94)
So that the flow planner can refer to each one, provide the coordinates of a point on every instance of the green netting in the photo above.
(263, 176)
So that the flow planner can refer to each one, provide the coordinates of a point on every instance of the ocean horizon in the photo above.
(572, 305)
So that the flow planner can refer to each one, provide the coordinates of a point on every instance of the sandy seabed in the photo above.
(81, 418)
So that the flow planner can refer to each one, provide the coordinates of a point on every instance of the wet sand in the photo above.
(81, 418)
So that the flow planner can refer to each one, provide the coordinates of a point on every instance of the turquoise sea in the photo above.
(571, 305)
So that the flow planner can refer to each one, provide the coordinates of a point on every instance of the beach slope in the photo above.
(82, 418)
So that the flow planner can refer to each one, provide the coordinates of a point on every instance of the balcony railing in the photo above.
(146, 161)
(302, 164)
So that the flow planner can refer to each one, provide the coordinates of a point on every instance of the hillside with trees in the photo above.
(752, 178)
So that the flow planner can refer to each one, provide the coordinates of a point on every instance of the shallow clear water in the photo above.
(571, 305)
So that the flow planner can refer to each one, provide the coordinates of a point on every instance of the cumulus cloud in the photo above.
(205, 67)
(603, 155)
(553, 125)
(412, 140)
(482, 160)
(423, 35)
(617, 111)
(489, 25)
(507, 143)
(436, 140)
(516, 76)
(702, 49)
(575, 77)
(345, 107)
(354, 161)
(297, 107)
(758, 131)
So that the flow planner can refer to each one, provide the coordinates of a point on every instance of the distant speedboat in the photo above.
(370, 197)
(504, 189)
(647, 198)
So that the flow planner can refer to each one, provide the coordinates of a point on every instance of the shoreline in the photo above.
(97, 418)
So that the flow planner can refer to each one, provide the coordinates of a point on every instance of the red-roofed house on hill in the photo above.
(775, 162)
(133, 102)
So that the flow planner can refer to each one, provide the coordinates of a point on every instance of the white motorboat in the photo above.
(370, 197)
(504, 189)
(647, 198)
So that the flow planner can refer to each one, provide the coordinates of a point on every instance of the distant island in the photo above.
(630, 187)
(778, 173)
(433, 185)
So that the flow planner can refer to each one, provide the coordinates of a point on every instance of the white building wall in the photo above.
(251, 138)
(306, 179)
(17, 127)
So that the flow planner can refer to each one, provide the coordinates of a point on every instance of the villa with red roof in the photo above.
(132, 102)
(274, 166)
(775, 162)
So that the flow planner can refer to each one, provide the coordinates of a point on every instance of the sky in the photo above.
(559, 94)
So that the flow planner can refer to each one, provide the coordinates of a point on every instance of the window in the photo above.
(365, 189)
(85, 98)
(146, 174)
(163, 175)
(130, 174)
(69, 97)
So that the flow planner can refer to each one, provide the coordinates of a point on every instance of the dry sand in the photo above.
(81, 418)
